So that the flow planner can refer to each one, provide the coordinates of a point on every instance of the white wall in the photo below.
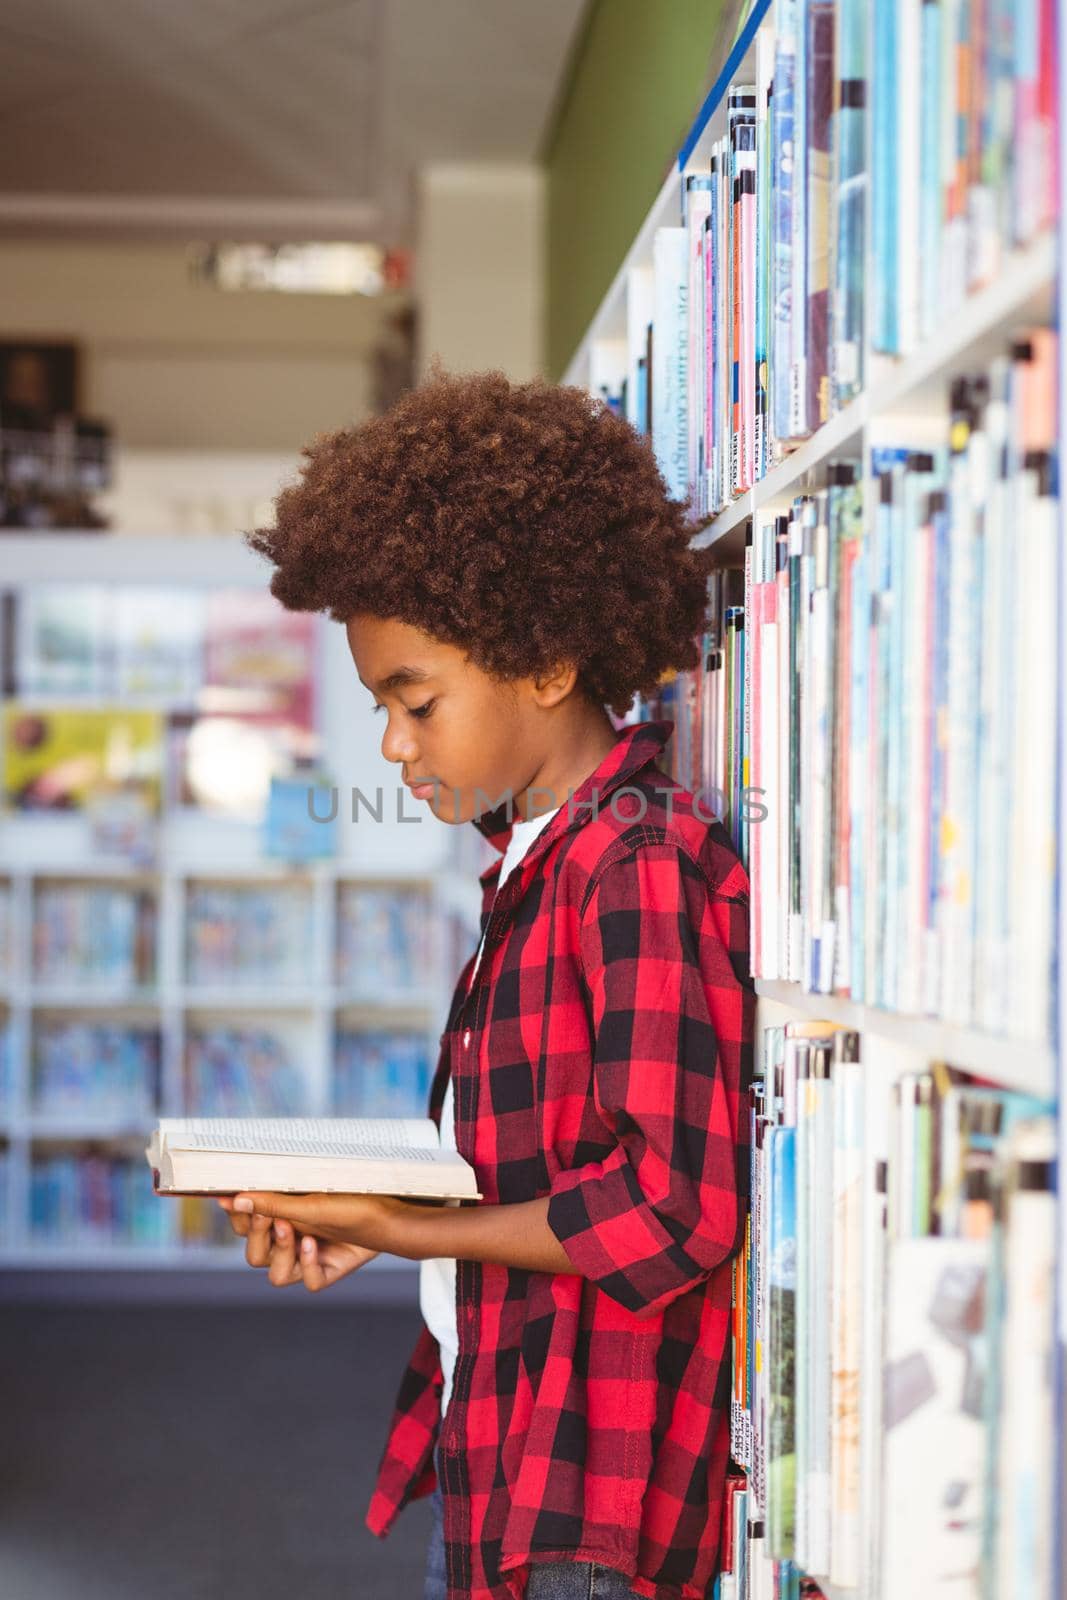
(480, 267)
(173, 364)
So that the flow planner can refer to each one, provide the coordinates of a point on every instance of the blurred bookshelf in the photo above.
(159, 956)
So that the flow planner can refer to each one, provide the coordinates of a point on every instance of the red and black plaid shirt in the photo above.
(600, 1059)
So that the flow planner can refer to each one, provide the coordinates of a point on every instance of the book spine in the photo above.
(669, 424)
(819, 107)
(783, 287)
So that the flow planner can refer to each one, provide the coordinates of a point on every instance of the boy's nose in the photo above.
(397, 746)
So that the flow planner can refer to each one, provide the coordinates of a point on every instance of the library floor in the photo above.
(201, 1453)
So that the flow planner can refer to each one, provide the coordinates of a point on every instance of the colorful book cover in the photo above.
(781, 1342)
(670, 428)
(819, 99)
(783, 118)
(697, 196)
(259, 659)
(763, 251)
(158, 641)
(847, 1312)
(301, 819)
(849, 198)
(884, 139)
(62, 640)
(935, 1358)
(799, 422)
(56, 760)
(711, 497)
(930, 168)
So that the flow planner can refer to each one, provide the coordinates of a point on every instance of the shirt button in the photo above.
(466, 1037)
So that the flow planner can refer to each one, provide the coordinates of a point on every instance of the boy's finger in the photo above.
(311, 1267)
(257, 1250)
(238, 1220)
(305, 1210)
(282, 1256)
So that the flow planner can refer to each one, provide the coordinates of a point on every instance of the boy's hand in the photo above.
(516, 1235)
(290, 1257)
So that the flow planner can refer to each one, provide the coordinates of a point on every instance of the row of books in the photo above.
(104, 935)
(5, 932)
(242, 1072)
(105, 1069)
(384, 939)
(249, 934)
(94, 935)
(202, 1224)
(893, 1325)
(103, 1198)
(963, 155)
(947, 109)
(95, 1068)
(96, 1199)
(232, 651)
(7, 1059)
(875, 706)
(379, 1074)
(745, 1570)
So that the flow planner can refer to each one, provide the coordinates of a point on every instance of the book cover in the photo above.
(885, 334)
(670, 425)
(783, 291)
(819, 96)
(849, 184)
(62, 640)
(781, 1342)
(934, 1362)
(301, 819)
(55, 760)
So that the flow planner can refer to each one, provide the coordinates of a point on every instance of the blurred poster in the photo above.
(62, 640)
(57, 760)
(158, 645)
(256, 717)
(259, 659)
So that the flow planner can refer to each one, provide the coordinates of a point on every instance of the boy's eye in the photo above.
(413, 711)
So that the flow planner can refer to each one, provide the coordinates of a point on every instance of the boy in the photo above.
(507, 564)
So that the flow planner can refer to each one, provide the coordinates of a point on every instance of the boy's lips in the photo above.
(423, 789)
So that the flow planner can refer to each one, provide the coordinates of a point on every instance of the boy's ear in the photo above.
(555, 683)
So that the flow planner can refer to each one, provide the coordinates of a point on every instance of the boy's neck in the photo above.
(576, 754)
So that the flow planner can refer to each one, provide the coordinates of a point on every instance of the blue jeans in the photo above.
(549, 1580)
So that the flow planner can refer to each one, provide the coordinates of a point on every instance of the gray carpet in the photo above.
(201, 1453)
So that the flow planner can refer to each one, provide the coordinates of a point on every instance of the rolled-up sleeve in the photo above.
(665, 962)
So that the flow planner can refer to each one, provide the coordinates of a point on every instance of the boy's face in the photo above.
(446, 719)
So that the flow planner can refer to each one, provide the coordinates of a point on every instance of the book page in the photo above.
(242, 1144)
(301, 1135)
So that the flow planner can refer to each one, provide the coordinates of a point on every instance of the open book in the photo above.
(349, 1155)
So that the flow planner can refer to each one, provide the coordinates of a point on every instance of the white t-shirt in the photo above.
(437, 1276)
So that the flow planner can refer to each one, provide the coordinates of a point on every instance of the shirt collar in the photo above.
(637, 745)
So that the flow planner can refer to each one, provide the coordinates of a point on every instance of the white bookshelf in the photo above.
(1030, 1068)
(904, 401)
(306, 1018)
(194, 849)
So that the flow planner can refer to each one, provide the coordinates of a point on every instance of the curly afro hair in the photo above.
(523, 522)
